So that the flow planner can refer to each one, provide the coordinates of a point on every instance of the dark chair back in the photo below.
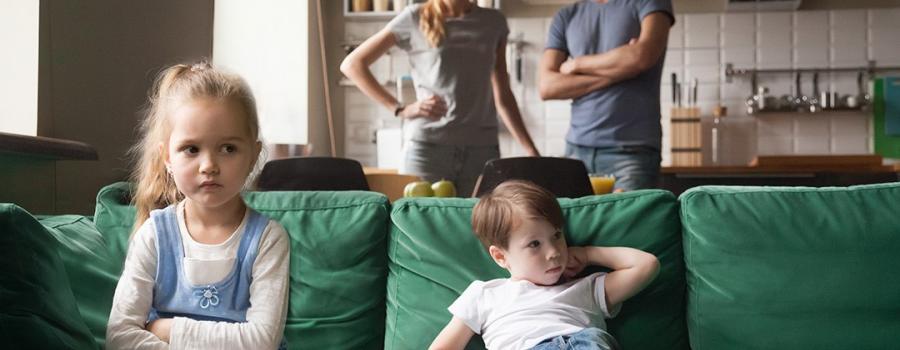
(563, 176)
(312, 174)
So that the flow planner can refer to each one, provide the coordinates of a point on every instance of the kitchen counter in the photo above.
(813, 174)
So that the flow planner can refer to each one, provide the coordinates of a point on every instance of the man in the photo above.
(617, 49)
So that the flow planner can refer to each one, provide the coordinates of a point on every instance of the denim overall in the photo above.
(223, 301)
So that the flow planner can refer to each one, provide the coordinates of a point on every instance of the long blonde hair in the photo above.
(431, 21)
(176, 85)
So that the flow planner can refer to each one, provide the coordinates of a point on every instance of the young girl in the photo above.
(203, 270)
(457, 52)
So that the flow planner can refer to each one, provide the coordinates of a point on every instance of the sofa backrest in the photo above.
(792, 268)
(433, 256)
(338, 265)
(37, 307)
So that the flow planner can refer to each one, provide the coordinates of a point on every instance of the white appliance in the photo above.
(389, 154)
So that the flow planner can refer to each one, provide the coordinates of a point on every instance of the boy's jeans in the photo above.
(585, 339)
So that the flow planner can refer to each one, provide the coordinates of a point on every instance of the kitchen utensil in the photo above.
(380, 5)
(674, 88)
(696, 85)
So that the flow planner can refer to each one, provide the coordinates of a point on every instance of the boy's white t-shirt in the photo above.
(517, 314)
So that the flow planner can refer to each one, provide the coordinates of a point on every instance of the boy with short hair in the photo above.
(539, 307)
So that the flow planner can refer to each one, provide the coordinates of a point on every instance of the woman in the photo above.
(457, 52)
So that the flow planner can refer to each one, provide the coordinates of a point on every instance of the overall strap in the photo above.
(169, 249)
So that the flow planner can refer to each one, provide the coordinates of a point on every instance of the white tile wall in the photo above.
(836, 38)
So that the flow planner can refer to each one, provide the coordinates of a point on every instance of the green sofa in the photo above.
(742, 267)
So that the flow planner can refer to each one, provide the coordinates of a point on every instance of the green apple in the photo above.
(418, 189)
(444, 188)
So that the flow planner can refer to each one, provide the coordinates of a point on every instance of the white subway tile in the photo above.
(738, 30)
(884, 46)
(737, 89)
(557, 111)
(811, 57)
(676, 34)
(849, 56)
(811, 145)
(700, 30)
(773, 29)
(811, 21)
(771, 126)
(848, 28)
(701, 57)
(741, 57)
(850, 144)
(773, 57)
(707, 74)
(850, 124)
(556, 129)
(884, 18)
(708, 92)
(812, 38)
(674, 58)
(767, 146)
(812, 125)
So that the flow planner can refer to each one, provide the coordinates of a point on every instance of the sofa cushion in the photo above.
(37, 307)
(792, 268)
(93, 273)
(433, 256)
(338, 265)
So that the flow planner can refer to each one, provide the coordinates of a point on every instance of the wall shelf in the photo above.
(730, 71)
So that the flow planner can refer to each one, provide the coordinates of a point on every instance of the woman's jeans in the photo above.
(460, 164)
(635, 167)
(586, 339)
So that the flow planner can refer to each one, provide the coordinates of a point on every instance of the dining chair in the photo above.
(312, 174)
(564, 177)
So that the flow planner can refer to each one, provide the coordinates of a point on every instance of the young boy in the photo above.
(539, 307)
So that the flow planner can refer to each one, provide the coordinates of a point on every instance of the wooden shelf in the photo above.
(46, 147)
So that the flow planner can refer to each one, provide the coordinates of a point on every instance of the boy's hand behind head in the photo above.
(577, 261)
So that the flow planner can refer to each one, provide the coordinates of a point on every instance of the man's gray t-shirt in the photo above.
(625, 113)
(459, 71)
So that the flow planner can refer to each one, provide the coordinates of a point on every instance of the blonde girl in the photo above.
(458, 56)
(203, 270)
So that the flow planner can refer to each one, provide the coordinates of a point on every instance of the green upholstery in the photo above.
(37, 306)
(338, 265)
(792, 268)
(433, 256)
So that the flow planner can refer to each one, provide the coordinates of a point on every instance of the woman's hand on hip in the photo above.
(432, 108)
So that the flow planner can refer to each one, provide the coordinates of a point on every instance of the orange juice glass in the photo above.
(602, 184)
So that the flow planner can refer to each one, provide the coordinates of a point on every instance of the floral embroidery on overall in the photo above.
(208, 296)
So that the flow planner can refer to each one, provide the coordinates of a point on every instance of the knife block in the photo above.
(686, 136)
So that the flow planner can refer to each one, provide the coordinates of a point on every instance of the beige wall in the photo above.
(98, 59)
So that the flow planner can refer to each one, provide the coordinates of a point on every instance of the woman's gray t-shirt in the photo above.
(459, 71)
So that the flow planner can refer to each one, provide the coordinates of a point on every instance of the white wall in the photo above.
(19, 24)
(266, 42)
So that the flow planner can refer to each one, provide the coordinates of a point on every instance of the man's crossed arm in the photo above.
(561, 79)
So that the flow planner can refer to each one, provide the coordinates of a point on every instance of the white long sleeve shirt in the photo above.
(203, 263)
